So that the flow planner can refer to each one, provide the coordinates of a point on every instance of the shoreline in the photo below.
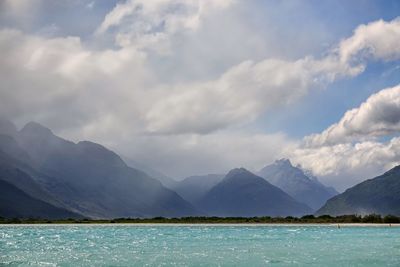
(337, 225)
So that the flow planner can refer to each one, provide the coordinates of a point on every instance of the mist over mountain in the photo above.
(164, 179)
(7, 127)
(380, 195)
(90, 179)
(96, 181)
(242, 193)
(21, 194)
(294, 181)
(193, 188)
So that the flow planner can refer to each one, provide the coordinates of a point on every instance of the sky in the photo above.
(203, 86)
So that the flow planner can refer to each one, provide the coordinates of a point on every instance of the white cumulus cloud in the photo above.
(350, 151)
(344, 165)
(378, 116)
(379, 40)
(150, 24)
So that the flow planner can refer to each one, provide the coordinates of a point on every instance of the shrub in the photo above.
(308, 217)
(391, 219)
(372, 218)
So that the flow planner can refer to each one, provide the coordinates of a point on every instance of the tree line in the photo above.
(327, 219)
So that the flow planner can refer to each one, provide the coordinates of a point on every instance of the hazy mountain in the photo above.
(15, 203)
(164, 179)
(294, 181)
(96, 181)
(15, 169)
(241, 193)
(194, 188)
(7, 127)
(84, 177)
(379, 195)
(20, 193)
(9, 146)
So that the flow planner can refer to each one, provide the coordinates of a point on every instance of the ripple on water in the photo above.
(72, 245)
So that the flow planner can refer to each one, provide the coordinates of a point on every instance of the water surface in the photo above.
(194, 245)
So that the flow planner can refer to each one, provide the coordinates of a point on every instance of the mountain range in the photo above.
(45, 176)
(84, 178)
(61, 178)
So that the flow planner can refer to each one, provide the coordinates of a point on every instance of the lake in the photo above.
(198, 245)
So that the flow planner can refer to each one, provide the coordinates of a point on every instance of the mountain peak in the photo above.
(245, 194)
(394, 170)
(7, 127)
(237, 171)
(90, 144)
(297, 183)
(36, 129)
(283, 162)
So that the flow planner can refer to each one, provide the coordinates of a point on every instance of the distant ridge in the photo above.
(193, 188)
(380, 195)
(164, 179)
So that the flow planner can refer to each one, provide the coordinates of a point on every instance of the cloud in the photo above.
(335, 159)
(168, 15)
(150, 24)
(378, 116)
(90, 5)
(20, 7)
(123, 82)
(60, 82)
(113, 18)
(188, 154)
(240, 95)
(379, 40)
(21, 12)
(249, 89)
(344, 165)
(349, 151)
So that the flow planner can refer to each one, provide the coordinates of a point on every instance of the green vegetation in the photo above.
(372, 218)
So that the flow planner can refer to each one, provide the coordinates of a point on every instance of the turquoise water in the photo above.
(152, 245)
